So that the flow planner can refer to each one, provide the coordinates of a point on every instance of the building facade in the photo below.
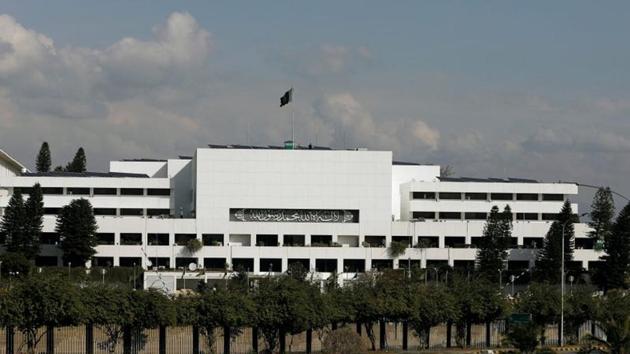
(261, 209)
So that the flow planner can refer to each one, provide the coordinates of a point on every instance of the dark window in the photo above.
(215, 264)
(423, 195)
(104, 191)
(160, 262)
(46, 261)
(584, 243)
(527, 196)
(402, 239)
(130, 261)
(450, 215)
(380, 264)
(130, 239)
(52, 190)
(455, 241)
(406, 263)
(293, 240)
(158, 191)
(131, 191)
(243, 264)
(22, 190)
(450, 195)
(267, 240)
(549, 217)
(501, 196)
(102, 261)
(184, 262)
(464, 265)
(212, 239)
(104, 211)
(78, 191)
(375, 241)
(513, 242)
(518, 265)
(321, 240)
(553, 197)
(354, 265)
(304, 262)
(182, 239)
(527, 216)
(436, 263)
(475, 242)
(131, 212)
(533, 242)
(423, 215)
(476, 196)
(105, 238)
(428, 241)
(158, 239)
(158, 212)
(49, 238)
(271, 265)
(476, 216)
(326, 265)
(52, 211)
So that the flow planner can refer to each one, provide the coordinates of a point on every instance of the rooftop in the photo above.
(488, 180)
(84, 174)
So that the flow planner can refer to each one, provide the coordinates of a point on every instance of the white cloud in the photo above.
(426, 134)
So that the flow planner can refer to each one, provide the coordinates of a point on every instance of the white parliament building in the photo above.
(263, 208)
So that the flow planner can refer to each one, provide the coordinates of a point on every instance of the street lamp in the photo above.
(103, 271)
(571, 278)
(500, 270)
(437, 276)
(512, 279)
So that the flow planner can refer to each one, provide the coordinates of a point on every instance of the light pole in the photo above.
(103, 274)
(0, 270)
(512, 278)
(437, 276)
(500, 278)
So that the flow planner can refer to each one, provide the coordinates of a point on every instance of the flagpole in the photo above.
(292, 119)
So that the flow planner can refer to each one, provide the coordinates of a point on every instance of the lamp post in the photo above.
(437, 275)
(500, 278)
(0, 270)
(103, 271)
(512, 279)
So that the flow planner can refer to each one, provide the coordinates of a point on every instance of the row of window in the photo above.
(118, 212)
(97, 191)
(552, 197)
(456, 215)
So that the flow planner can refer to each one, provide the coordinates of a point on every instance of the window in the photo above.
(380, 264)
(104, 211)
(354, 265)
(266, 240)
(183, 239)
(79, 191)
(527, 216)
(160, 262)
(584, 243)
(326, 265)
(214, 263)
(184, 262)
(46, 261)
(158, 212)
(102, 261)
(476, 216)
(129, 239)
(475, 241)
(553, 197)
(49, 238)
(159, 191)
(375, 241)
(304, 262)
(212, 239)
(527, 196)
(52, 211)
(423, 195)
(293, 240)
(243, 264)
(402, 239)
(549, 217)
(455, 241)
(533, 242)
(450, 215)
(105, 238)
(462, 265)
(131, 212)
(428, 241)
(476, 196)
(271, 265)
(158, 239)
(104, 191)
(501, 196)
(131, 191)
(450, 195)
(423, 215)
(22, 190)
(52, 190)
(321, 240)
(130, 261)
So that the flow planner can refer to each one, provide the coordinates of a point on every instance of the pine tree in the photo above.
(43, 158)
(602, 213)
(78, 163)
(549, 259)
(77, 228)
(617, 247)
(34, 212)
(495, 242)
(13, 221)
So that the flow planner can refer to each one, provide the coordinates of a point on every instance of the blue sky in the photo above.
(537, 89)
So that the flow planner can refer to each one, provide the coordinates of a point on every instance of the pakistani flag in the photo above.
(287, 97)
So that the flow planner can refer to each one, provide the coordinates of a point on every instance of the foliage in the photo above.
(15, 263)
(397, 249)
(430, 306)
(602, 213)
(579, 307)
(549, 261)
(613, 315)
(13, 222)
(617, 247)
(193, 245)
(43, 158)
(495, 242)
(78, 163)
(542, 301)
(297, 271)
(34, 213)
(343, 341)
(522, 337)
(77, 228)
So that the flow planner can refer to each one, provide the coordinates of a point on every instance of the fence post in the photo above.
(10, 340)
(127, 340)
(50, 340)
(283, 341)
(358, 328)
(255, 339)
(195, 339)
(468, 334)
(226, 340)
(381, 339)
(449, 333)
(488, 343)
(405, 334)
(162, 340)
(309, 340)
(559, 335)
(89, 338)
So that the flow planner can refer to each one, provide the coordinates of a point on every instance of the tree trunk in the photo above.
(195, 340)
(468, 334)
(309, 340)
(162, 340)
(283, 341)
(405, 333)
(127, 340)
(50, 340)
(369, 330)
(382, 335)
(10, 337)
(89, 339)
(449, 333)
(226, 340)
(255, 340)
(488, 339)
(359, 328)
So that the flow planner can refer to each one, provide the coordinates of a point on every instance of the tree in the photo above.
(34, 219)
(612, 316)
(78, 163)
(495, 241)
(77, 228)
(43, 158)
(13, 222)
(579, 308)
(602, 213)
(523, 337)
(549, 260)
(430, 306)
(617, 247)
(542, 301)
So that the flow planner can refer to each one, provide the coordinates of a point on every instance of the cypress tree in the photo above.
(13, 221)
(617, 247)
(77, 228)
(602, 213)
(495, 242)
(34, 212)
(78, 163)
(43, 158)
(549, 259)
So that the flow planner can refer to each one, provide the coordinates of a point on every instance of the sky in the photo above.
(536, 89)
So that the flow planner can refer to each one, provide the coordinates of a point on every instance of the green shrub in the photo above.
(523, 337)
(397, 248)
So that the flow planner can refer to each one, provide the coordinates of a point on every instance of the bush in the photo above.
(523, 337)
(15, 263)
(397, 249)
(343, 341)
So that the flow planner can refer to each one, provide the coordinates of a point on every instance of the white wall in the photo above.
(407, 173)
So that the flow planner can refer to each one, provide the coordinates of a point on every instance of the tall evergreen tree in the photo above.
(78, 163)
(34, 212)
(549, 259)
(77, 227)
(602, 213)
(43, 158)
(13, 221)
(495, 242)
(617, 247)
